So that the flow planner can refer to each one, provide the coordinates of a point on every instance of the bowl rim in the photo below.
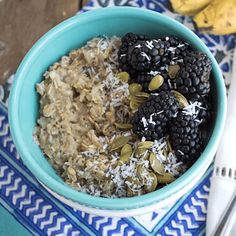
(101, 202)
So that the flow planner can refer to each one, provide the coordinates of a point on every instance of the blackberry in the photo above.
(146, 55)
(152, 117)
(145, 78)
(177, 50)
(193, 77)
(126, 42)
(204, 110)
(185, 138)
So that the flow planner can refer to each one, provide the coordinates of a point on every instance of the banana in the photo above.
(189, 7)
(219, 17)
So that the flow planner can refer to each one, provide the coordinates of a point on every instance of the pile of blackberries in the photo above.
(184, 70)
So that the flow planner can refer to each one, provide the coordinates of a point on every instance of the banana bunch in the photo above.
(212, 16)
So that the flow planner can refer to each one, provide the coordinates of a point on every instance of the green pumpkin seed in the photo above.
(123, 76)
(137, 99)
(173, 71)
(142, 95)
(183, 102)
(153, 186)
(140, 152)
(124, 159)
(141, 172)
(165, 153)
(135, 88)
(126, 149)
(124, 126)
(145, 144)
(119, 143)
(156, 165)
(169, 146)
(133, 181)
(134, 105)
(108, 186)
(156, 82)
(166, 178)
(131, 193)
(146, 156)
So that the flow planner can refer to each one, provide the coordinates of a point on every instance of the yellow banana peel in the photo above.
(189, 7)
(219, 17)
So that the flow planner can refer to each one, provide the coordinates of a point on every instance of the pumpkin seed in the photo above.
(146, 156)
(137, 99)
(141, 172)
(123, 76)
(142, 95)
(136, 181)
(130, 193)
(133, 182)
(166, 178)
(156, 165)
(145, 144)
(134, 105)
(173, 71)
(183, 102)
(126, 149)
(165, 153)
(119, 142)
(108, 186)
(135, 88)
(150, 188)
(129, 179)
(124, 158)
(124, 126)
(140, 152)
(169, 146)
(156, 82)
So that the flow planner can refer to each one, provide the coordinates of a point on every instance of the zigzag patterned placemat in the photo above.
(41, 214)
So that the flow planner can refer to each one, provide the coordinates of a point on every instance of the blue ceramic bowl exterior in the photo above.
(73, 33)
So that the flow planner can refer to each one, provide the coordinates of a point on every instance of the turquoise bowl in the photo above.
(73, 33)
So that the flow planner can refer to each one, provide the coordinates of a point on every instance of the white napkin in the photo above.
(223, 183)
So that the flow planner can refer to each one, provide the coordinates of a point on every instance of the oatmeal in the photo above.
(81, 100)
